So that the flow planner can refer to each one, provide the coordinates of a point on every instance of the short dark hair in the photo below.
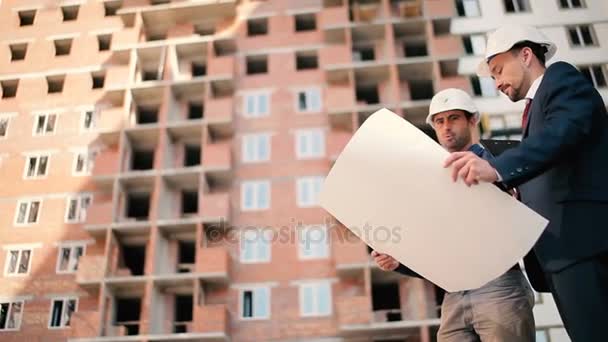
(537, 49)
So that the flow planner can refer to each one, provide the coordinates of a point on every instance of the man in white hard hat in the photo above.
(560, 169)
(501, 310)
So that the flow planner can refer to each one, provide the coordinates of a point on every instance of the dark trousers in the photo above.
(581, 295)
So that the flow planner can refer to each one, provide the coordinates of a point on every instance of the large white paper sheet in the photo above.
(390, 188)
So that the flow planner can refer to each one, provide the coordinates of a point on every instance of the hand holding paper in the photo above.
(470, 168)
(385, 261)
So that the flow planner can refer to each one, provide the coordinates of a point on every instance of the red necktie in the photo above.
(524, 119)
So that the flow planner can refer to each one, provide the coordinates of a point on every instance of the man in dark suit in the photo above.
(560, 169)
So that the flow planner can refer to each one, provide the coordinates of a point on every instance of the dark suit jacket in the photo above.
(561, 167)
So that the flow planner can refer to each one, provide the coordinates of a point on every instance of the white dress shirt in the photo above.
(534, 88)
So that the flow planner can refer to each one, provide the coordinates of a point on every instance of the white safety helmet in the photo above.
(451, 99)
(504, 38)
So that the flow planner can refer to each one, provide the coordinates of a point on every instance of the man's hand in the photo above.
(385, 261)
(470, 168)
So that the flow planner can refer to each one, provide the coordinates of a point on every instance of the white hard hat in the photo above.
(451, 99)
(504, 38)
